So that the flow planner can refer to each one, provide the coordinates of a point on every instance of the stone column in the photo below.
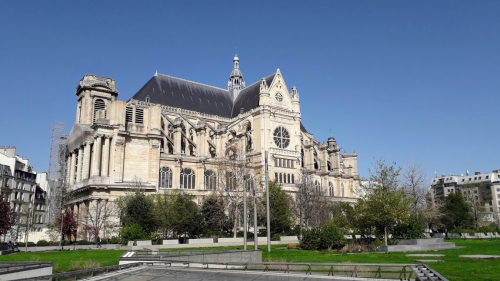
(105, 157)
(68, 168)
(97, 155)
(72, 169)
(79, 165)
(177, 136)
(201, 142)
(86, 160)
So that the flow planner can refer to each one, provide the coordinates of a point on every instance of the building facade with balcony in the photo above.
(480, 187)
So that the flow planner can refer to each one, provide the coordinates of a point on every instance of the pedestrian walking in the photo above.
(98, 242)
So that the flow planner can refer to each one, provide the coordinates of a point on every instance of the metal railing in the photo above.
(80, 274)
(9, 267)
(359, 270)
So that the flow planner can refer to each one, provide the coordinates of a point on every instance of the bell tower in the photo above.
(94, 95)
(236, 82)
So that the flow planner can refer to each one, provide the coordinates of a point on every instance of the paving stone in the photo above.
(425, 255)
(480, 256)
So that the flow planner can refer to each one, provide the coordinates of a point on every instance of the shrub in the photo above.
(115, 240)
(83, 242)
(276, 237)
(319, 238)
(30, 244)
(132, 232)
(42, 243)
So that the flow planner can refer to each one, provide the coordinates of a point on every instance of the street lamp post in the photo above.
(62, 218)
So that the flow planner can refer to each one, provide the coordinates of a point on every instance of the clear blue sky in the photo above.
(408, 81)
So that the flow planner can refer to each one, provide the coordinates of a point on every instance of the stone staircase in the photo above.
(416, 245)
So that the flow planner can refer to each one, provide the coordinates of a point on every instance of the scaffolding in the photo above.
(56, 168)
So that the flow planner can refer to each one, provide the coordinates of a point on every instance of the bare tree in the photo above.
(415, 183)
(233, 172)
(310, 204)
(100, 217)
(476, 195)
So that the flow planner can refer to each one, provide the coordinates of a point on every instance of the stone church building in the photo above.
(171, 133)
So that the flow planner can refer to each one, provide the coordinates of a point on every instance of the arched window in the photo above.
(231, 181)
(183, 141)
(276, 179)
(293, 178)
(316, 166)
(332, 190)
(187, 178)
(281, 177)
(165, 177)
(289, 180)
(99, 105)
(302, 157)
(317, 186)
(210, 180)
(329, 165)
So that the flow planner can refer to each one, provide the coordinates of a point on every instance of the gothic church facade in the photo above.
(169, 135)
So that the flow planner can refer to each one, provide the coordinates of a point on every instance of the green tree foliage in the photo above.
(344, 216)
(7, 217)
(456, 212)
(385, 203)
(133, 231)
(327, 237)
(279, 208)
(215, 219)
(186, 217)
(138, 209)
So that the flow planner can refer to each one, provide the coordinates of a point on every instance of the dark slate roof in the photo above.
(180, 93)
(302, 128)
(249, 97)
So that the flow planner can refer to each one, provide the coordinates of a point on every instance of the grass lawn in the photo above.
(70, 260)
(453, 268)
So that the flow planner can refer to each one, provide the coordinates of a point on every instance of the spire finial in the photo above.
(156, 73)
(331, 132)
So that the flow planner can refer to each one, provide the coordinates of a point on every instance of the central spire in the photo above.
(236, 81)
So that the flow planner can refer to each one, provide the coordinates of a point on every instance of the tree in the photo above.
(475, 195)
(214, 217)
(186, 216)
(279, 208)
(7, 217)
(310, 204)
(384, 203)
(98, 216)
(456, 212)
(415, 182)
(69, 224)
(233, 172)
(138, 208)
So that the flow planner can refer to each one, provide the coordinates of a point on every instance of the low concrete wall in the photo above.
(171, 242)
(69, 247)
(22, 273)
(289, 239)
(143, 243)
(231, 240)
(201, 241)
